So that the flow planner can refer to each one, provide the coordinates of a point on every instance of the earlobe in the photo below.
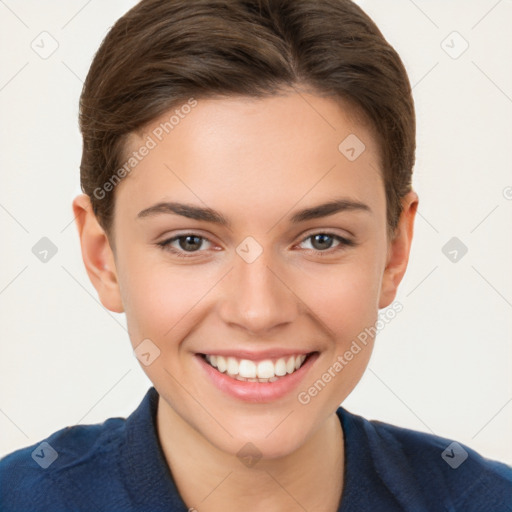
(97, 254)
(399, 250)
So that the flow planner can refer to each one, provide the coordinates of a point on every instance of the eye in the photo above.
(187, 243)
(322, 242)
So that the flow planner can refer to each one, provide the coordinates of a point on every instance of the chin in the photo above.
(266, 440)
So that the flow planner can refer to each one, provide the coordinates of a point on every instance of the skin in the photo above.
(257, 162)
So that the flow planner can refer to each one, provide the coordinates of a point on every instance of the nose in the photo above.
(258, 298)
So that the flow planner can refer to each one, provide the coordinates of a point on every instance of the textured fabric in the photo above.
(119, 466)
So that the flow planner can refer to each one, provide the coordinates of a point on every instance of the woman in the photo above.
(247, 203)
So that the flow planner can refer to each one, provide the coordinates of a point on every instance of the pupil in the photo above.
(190, 242)
(324, 241)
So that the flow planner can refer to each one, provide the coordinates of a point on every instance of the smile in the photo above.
(267, 370)
(256, 378)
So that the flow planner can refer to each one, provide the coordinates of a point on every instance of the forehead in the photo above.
(254, 152)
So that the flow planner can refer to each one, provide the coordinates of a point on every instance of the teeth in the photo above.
(247, 369)
(232, 366)
(263, 371)
(221, 364)
(280, 367)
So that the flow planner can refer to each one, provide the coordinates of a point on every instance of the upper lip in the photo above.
(259, 355)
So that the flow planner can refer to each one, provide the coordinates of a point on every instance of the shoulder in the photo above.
(46, 473)
(434, 465)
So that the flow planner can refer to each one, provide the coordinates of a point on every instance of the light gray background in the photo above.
(443, 365)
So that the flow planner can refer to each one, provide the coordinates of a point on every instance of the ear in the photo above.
(399, 248)
(97, 254)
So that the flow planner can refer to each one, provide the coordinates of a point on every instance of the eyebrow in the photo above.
(210, 215)
(185, 210)
(330, 208)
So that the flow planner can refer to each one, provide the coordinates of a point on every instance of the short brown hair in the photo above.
(163, 52)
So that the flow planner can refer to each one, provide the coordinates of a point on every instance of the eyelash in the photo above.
(343, 243)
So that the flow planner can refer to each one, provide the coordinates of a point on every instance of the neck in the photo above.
(211, 480)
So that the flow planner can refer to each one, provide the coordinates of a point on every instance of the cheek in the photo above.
(156, 296)
(162, 300)
(347, 307)
(344, 297)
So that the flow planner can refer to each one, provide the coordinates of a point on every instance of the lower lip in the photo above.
(258, 392)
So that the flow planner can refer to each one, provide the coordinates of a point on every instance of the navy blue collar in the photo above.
(143, 464)
(151, 486)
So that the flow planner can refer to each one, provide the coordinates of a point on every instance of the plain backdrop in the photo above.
(443, 365)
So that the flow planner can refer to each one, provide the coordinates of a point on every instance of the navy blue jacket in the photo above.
(119, 466)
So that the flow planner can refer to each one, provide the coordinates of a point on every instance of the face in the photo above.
(252, 252)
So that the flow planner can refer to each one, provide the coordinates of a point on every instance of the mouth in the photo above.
(256, 380)
(246, 370)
